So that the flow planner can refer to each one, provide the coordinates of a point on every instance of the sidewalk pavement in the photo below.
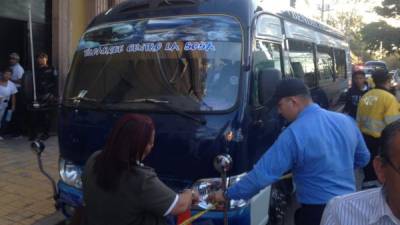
(26, 196)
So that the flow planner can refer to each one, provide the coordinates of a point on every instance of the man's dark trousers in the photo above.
(309, 214)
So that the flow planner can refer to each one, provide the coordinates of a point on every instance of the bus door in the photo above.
(267, 64)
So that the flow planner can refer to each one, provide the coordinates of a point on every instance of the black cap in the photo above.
(288, 88)
(380, 76)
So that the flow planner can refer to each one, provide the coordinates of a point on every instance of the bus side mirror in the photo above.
(267, 81)
(223, 163)
(37, 147)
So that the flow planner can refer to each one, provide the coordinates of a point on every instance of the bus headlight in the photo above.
(210, 185)
(70, 173)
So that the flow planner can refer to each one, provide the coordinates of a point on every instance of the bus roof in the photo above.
(134, 9)
(294, 16)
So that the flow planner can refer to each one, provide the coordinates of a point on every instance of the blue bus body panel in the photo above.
(69, 195)
(235, 217)
(184, 149)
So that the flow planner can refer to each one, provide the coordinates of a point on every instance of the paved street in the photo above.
(25, 194)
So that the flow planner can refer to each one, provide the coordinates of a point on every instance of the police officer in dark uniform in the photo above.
(359, 87)
(46, 89)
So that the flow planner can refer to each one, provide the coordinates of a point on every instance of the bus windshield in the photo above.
(193, 63)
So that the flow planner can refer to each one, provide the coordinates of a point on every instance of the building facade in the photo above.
(57, 26)
(69, 21)
(14, 35)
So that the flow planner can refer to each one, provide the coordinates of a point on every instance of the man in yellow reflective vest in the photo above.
(376, 109)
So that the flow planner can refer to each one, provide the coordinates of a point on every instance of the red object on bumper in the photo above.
(184, 216)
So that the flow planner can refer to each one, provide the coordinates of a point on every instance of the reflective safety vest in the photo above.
(376, 109)
(371, 83)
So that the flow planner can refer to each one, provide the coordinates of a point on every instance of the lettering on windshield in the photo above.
(106, 50)
(145, 47)
(199, 46)
(149, 47)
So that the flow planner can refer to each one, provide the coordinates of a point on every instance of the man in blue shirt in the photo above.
(320, 147)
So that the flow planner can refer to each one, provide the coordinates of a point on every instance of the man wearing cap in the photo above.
(376, 109)
(17, 70)
(320, 147)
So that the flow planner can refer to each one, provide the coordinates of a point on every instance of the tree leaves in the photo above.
(389, 9)
(376, 32)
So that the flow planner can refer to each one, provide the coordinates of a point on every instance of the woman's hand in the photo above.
(216, 197)
(195, 196)
(185, 200)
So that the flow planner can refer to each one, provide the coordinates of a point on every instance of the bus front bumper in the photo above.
(254, 213)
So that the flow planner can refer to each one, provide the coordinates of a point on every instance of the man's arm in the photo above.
(276, 161)
(362, 155)
(347, 101)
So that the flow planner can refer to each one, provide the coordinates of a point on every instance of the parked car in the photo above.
(370, 66)
(395, 78)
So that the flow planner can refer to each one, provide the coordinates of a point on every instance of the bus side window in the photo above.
(340, 63)
(301, 57)
(297, 70)
(325, 63)
(267, 56)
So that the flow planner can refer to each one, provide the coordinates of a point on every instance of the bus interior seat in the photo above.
(265, 65)
(297, 69)
(298, 72)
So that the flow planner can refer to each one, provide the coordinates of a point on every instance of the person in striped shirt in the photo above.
(378, 206)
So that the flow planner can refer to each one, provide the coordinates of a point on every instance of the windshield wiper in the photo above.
(77, 100)
(146, 100)
(166, 104)
(81, 98)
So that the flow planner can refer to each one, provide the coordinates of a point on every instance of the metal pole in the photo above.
(52, 182)
(293, 3)
(35, 102)
(226, 206)
(322, 10)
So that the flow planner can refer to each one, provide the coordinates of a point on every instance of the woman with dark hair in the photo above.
(119, 189)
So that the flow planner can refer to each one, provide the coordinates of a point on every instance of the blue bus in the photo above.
(204, 71)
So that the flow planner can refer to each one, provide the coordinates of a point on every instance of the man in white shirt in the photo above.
(17, 123)
(378, 205)
(17, 70)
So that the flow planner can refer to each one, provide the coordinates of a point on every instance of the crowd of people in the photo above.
(117, 185)
(18, 113)
(323, 165)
